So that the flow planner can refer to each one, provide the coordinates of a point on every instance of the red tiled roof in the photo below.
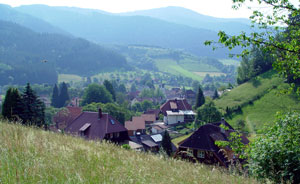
(98, 128)
(181, 104)
(137, 123)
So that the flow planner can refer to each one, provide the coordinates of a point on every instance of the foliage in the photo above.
(33, 109)
(275, 154)
(166, 143)
(96, 93)
(126, 146)
(281, 42)
(11, 105)
(216, 95)
(122, 114)
(63, 95)
(207, 113)
(110, 88)
(257, 62)
(55, 97)
(200, 99)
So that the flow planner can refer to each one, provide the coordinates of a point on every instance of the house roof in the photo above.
(149, 117)
(67, 115)
(157, 137)
(181, 104)
(153, 111)
(137, 123)
(204, 138)
(98, 127)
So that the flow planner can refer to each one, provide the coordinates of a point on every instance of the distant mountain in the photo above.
(102, 27)
(7, 13)
(191, 18)
(29, 56)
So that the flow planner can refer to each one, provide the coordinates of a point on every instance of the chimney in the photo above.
(223, 123)
(99, 113)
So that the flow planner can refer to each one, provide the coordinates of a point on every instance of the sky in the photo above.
(216, 8)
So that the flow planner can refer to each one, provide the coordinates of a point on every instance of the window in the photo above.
(200, 154)
(190, 151)
(112, 121)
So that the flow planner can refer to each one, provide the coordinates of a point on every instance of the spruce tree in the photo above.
(216, 95)
(55, 97)
(200, 100)
(33, 109)
(64, 95)
(110, 88)
(11, 106)
(166, 143)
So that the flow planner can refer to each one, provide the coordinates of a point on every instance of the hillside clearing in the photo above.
(69, 78)
(30, 155)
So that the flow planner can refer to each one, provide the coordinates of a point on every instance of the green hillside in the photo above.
(29, 155)
(173, 61)
(259, 100)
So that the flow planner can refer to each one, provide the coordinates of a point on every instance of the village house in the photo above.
(149, 118)
(190, 96)
(177, 111)
(98, 126)
(64, 117)
(147, 142)
(136, 125)
(158, 128)
(201, 147)
(156, 112)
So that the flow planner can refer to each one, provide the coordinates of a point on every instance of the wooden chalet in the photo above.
(201, 147)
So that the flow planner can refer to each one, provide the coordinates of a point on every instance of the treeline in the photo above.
(257, 62)
(34, 57)
(24, 107)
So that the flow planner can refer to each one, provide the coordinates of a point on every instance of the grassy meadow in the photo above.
(30, 155)
(260, 99)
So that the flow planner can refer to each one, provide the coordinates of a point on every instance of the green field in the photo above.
(260, 99)
(170, 66)
(30, 155)
(249, 91)
(69, 78)
(179, 139)
(230, 62)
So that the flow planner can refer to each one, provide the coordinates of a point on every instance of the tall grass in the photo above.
(29, 155)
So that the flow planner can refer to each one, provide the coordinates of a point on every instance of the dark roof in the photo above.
(178, 103)
(206, 135)
(98, 128)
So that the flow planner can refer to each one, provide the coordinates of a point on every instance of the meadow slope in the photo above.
(260, 99)
(30, 155)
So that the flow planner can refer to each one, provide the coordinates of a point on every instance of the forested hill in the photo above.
(191, 18)
(105, 28)
(27, 56)
(8, 13)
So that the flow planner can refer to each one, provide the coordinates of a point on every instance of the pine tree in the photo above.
(64, 95)
(200, 100)
(216, 95)
(110, 88)
(33, 109)
(166, 143)
(55, 97)
(11, 105)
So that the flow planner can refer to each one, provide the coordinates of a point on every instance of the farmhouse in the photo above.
(177, 111)
(98, 126)
(136, 125)
(201, 147)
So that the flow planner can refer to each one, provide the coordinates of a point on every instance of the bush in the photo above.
(276, 154)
